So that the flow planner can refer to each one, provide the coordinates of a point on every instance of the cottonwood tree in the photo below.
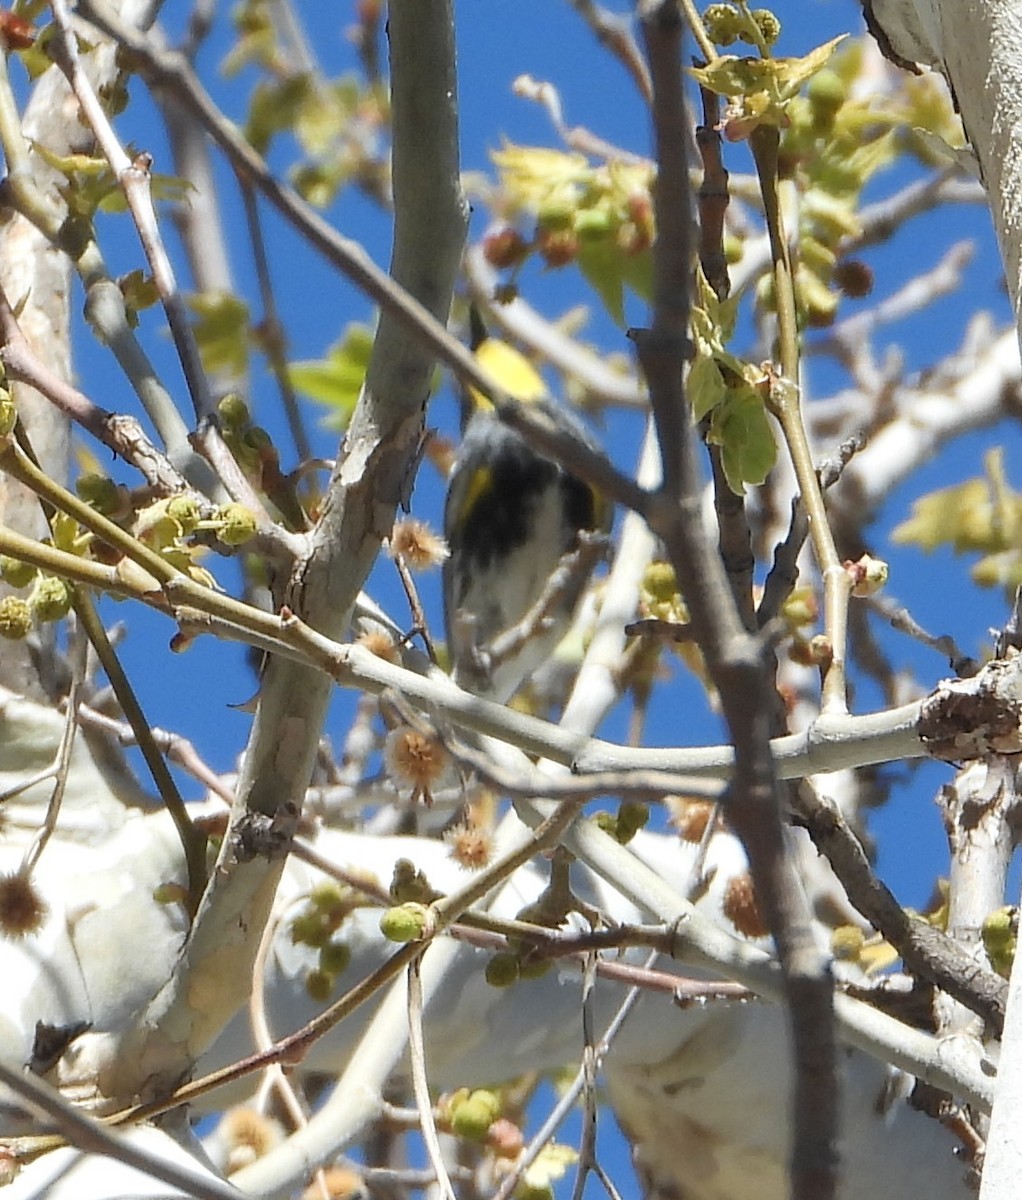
(362, 957)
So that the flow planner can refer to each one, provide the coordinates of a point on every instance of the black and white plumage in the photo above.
(510, 518)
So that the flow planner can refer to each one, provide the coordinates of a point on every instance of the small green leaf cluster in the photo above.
(980, 515)
(623, 825)
(337, 123)
(336, 379)
(90, 186)
(167, 526)
(597, 216)
(326, 909)
(760, 90)
(729, 393)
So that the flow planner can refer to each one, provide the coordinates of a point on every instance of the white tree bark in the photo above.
(977, 44)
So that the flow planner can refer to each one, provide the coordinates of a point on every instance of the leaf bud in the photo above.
(405, 922)
(51, 598)
(237, 524)
(16, 573)
(15, 618)
(471, 1116)
(502, 970)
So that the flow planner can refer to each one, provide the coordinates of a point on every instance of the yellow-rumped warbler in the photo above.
(511, 518)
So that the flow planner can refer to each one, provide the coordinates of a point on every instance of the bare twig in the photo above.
(420, 1082)
(925, 950)
(734, 658)
(963, 665)
(133, 175)
(91, 1136)
(614, 31)
(121, 433)
(569, 1097)
(62, 761)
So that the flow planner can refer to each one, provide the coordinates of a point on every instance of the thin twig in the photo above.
(614, 31)
(134, 178)
(734, 658)
(569, 1097)
(925, 950)
(62, 761)
(420, 1083)
(121, 433)
(93, 1137)
(273, 339)
(963, 665)
(785, 402)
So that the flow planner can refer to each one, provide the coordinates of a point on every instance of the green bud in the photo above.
(607, 822)
(826, 91)
(310, 929)
(184, 510)
(15, 572)
(170, 893)
(319, 985)
(660, 581)
(472, 1117)
(51, 598)
(734, 249)
(534, 968)
(769, 26)
(722, 24)
(334, 957)
(869, 575)
(15, 618)
(405, 922)
(632, 816)
(328, 895)
(234, 411)
(237, 524)
(100, 493)
(1000, 935)
(256, 438)
(502, 970)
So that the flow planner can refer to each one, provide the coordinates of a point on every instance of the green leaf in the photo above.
(980, 514)
(600, 263)
(706, 386)
(140, 292)
(760, 88)
(276, 107)
(780, 78)
(336, 380)
(221, 331)
(741, 428)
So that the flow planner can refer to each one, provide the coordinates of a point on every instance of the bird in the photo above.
(510, 519)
